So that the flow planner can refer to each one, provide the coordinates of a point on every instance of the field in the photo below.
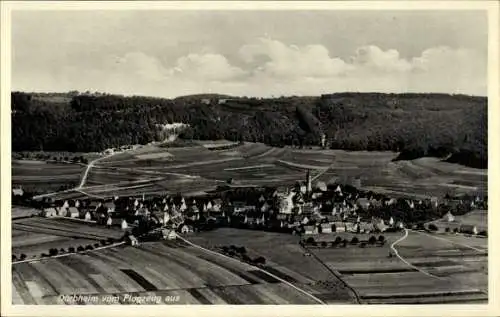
(173, 270)
(152, 169)
(426, 269)
(284, 257)
(34, 236)
(40, 176)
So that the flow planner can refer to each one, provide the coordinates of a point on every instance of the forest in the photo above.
(453, 127)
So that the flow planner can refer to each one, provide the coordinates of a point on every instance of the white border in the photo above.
(492, 309)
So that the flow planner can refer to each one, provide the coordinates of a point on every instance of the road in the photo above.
(395, 251)
(319, 301)
(84, 178)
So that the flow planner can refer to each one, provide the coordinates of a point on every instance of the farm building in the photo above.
(326, 228)
(49, 212)
(310, 230)
(73, 212)
(469, 229)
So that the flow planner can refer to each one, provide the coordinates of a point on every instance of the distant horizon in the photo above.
(249, 96)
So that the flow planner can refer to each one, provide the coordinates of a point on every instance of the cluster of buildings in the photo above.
(301, 209)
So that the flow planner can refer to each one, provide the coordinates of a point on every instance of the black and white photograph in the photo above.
(228, 156)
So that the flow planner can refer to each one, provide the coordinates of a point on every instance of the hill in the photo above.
(416, 125)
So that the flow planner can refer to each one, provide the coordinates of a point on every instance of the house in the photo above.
(131, 240)
(87, 216)
(185, 229)
(351, 227)
(109, 206)
(73, 212)
(468, 229)
(61, 211)
(17, 192)
(321, 186)
(366, 227)
(326, 228)
(169, 234)
(449, 217)
(205, 101)
(124, 224)
(310, 230)
(49, 212)
(379, 225)
(338, 226)
(363, 203)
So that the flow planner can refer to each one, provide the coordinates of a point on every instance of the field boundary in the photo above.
(336, 274)
(257, 268)
(68, 254)
(406, 262)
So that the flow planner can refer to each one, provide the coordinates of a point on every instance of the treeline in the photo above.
(416, 125)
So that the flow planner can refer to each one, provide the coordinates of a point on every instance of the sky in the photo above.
(249, 53)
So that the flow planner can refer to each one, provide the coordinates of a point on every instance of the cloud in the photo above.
(211, 67)
(291, 61)
(269, 67)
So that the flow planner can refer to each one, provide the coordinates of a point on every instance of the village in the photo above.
(304, 209)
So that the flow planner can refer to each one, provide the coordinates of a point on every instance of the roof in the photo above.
(73, 209)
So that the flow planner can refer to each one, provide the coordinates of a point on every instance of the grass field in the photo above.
(189, 275)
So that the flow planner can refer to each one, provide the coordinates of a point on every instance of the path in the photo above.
(319, 301)
(406, 262)
(84, 178)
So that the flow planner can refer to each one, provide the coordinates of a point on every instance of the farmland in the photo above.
(153, 169)
(426, 269)
(43, 176)
(435, 271)
(284, 257)
(174, 270)
(34, 236)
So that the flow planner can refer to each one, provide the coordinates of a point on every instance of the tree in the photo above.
(354, 240)
(372, 240)
(310, 240)
(53, 252)
(447, 229)
(324, 244)
(89, 247)
(433, 227)
(71, 250)
(14, 257)
(338, 240)
(62, 250)
(260, 260)
(96, 245)
(22, 257)
(381, 239)
(362, 244)
(80, 248)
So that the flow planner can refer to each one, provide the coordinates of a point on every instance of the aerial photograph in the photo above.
(239, 157)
